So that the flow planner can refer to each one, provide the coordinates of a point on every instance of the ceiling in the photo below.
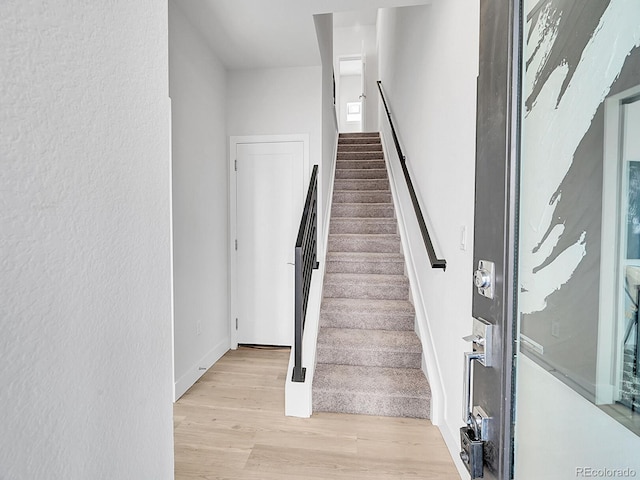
(367, 16)
(274, 33)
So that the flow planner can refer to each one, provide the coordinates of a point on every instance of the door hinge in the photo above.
(236, 244)
(235, 164)
(236, 324)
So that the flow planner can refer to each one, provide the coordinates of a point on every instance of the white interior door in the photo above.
(269, 190)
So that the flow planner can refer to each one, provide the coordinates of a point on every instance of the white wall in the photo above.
(552, 419)
(198, 90)
(350, 41)
(428, 65)
(85, 245)
(324, 31)
(275, 101)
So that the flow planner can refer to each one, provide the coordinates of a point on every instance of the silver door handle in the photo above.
(467, 400)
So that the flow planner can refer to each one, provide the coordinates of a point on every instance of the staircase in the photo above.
(368, 355)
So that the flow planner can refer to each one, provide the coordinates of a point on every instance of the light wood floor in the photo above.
(231, 425)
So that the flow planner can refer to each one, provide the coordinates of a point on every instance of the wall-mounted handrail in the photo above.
(305, 262)
(433, 258)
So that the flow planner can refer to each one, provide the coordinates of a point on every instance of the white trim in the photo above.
(452, 440)
(298, 397)
(431, 366)
(234, 141)
(198, 369)
(171, 255)
(327, 214)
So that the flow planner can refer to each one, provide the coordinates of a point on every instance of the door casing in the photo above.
(234, 141)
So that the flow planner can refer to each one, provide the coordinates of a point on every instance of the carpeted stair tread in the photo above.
(357, 242)
(363, 225)
(362, 314)
(367, 307)
(360, 147)
(361, 173)
(353, 257)
(364, 210)
(365, 262)
(359, 279)
(359, 140)
(371, 390)
(354, 163)
(359, 135)
(371, 286)
(361, 184)
(359, 156)
(369, 340)
(369, 347)
(362, 196)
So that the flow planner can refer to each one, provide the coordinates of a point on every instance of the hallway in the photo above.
(230, 425)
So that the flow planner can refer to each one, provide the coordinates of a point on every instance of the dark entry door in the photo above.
(486, 442)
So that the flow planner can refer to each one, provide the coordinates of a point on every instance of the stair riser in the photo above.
(384, 268)
(379, 292)
(360, 185)
(353, 164)
(356, 226)
(362, 197)
(365, 404)
(367, 321)
(339, 243)
(368, 358)
(362, 210)
(376, 147)
(361, 173)
(359, 140)
(360, 156)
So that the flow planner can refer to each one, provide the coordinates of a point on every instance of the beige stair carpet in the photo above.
(368, 355)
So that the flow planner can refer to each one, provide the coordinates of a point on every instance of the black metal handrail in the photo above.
(305, 263)
(433, 258)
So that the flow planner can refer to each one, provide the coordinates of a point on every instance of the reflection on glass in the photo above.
(580, 199)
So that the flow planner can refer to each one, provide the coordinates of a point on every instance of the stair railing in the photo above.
(433, 258)
(305, 262)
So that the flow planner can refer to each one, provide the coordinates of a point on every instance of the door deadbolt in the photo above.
(484, 278)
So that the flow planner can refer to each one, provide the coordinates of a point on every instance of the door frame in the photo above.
(234, 141)
(347, 57)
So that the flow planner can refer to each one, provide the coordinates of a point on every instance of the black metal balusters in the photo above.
(305, 263)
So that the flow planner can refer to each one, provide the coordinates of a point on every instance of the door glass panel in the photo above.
(578, 373)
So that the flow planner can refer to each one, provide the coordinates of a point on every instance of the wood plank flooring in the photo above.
(231, 425)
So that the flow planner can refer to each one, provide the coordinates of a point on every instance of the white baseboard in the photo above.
(186, 381)
(452, 440)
